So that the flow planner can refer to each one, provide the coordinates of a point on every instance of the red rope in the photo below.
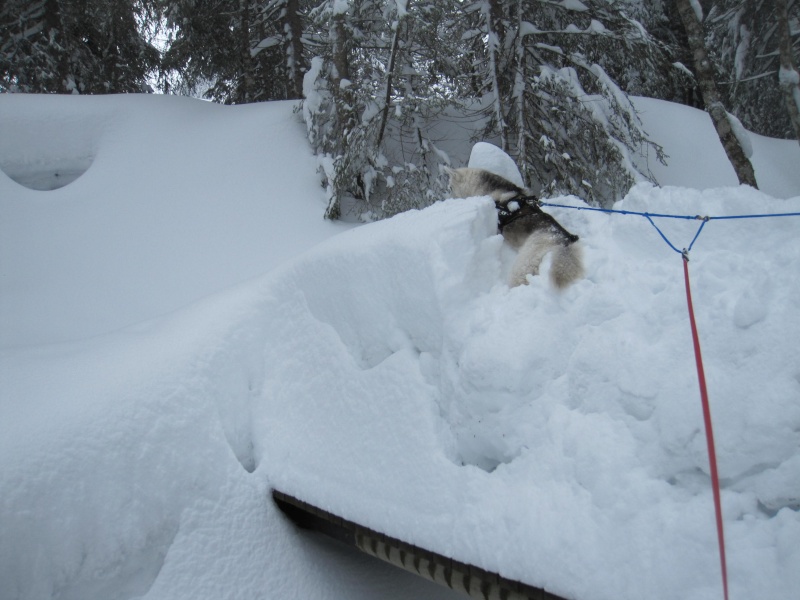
(712, 455)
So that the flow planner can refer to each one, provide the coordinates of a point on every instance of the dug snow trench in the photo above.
(555, 439)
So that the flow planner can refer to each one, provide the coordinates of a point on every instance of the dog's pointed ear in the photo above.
(454, 174)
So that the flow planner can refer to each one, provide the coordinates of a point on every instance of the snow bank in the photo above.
(181, 199)
(556, 439)
(387, 374)
(493, 159)
(126, 471)
(125, 435)
(697, 160)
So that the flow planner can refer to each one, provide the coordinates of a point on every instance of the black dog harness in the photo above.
(519, 207)
(509, 211)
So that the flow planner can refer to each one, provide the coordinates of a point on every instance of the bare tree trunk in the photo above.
(496, 35)
(341, 76)
(789, 76)
(109, 53)
(390, 75)
(55, 31)
(294, 48)
(519, 91)
(344, 102)
(245, 83)
(704, 72)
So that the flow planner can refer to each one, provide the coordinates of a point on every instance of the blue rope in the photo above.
(756, 216)
(661, 233)
(651, 216)
(667, 216)
(696, 235)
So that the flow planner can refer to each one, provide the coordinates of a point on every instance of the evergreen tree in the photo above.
(724, 123)
(743, 37)
(788, 75)
(234, 51)
(368, 96)
(292, 21)
(660, 19)
(549, 77)
(553, 76)
(77, 46)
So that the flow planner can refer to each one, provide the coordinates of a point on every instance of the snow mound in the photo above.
(127, 455)
(696, 159)
(172, 349)
(554, 438)
(183, 199)
(491, 158)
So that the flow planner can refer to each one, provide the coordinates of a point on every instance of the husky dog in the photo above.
(525, 226)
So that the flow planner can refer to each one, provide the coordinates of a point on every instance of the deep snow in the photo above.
(167, 357)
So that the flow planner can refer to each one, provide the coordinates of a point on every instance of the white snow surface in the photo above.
(491, 158)
(182, 332)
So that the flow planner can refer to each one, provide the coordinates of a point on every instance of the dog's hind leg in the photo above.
(567, 263)
(567, 266)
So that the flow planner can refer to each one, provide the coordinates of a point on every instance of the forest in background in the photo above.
(546, 80)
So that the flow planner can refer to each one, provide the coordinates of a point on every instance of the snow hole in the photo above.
(45, 175)
(47, 153)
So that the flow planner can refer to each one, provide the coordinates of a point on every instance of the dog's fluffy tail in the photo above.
(567, 263)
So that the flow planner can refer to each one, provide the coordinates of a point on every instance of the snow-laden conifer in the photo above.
(552, 90)
(234, 51)
(368, 97)
(90, 47)
(744, 41)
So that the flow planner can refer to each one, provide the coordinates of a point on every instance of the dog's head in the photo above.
(468, 181)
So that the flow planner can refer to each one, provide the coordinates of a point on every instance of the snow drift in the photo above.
(388, 375)
(556, 439)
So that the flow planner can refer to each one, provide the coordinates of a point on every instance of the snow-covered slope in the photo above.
(387, 374)
(118, 449)
(697, 160)
(181, 199)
